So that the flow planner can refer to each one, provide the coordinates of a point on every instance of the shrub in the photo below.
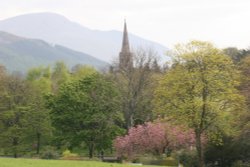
(67, 155)
(188, 158)
(49, 153)
(241, 164)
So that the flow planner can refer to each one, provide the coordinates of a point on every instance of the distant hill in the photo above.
(20, 54)
(57, 29)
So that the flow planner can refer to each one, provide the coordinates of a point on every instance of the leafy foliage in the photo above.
(86, 111)
(200, 91)
(40, 129)
(13, 125)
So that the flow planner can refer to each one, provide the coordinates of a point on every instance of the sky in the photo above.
(222, 22)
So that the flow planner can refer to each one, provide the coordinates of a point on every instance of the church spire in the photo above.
(125, 59)
(125, 42)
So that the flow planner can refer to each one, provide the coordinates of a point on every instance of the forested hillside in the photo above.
(20, 54)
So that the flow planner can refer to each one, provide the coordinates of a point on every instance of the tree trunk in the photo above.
(15, 143)
(38, 144)
(199, 150)
(102, 154)
(198, 131)
(129, 118)
(15, 154)
(91, 150)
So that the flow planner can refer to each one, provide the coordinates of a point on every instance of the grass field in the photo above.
(10, 162)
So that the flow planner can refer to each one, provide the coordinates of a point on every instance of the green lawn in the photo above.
(10, 162)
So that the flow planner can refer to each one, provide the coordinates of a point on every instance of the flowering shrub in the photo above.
(152, 138)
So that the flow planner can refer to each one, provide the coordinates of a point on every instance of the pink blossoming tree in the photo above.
(152, 138)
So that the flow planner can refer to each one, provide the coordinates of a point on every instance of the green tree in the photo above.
(14, 107)
(13, 128)
(40, 129)
(3, 79)
(200, 91)
(244, 88)
(79, 71)
(86, 110)
(243, 139)
(59, 76)
(235, 54)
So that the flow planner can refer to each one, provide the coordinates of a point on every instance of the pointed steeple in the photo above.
(125, 42)
(125, 59)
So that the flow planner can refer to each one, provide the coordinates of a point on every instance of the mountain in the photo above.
(57, 29)
(20, 54)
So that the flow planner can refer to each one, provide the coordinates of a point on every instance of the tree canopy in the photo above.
(200, 91)
(87, 110)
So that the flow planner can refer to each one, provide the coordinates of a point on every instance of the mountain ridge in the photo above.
(57, 29)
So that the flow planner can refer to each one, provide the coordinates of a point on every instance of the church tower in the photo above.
(125, 57)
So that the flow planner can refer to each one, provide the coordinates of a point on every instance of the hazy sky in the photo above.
(223, 22)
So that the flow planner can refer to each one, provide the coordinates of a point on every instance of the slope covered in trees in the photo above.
(20, 54)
